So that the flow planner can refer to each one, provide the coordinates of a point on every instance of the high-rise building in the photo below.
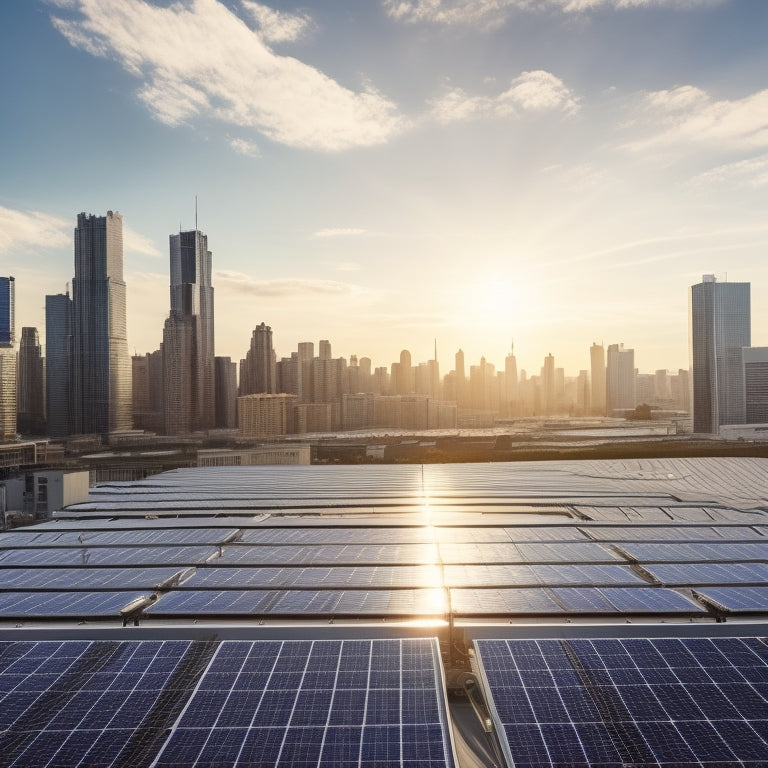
(7, 312)
(306, 353)
(756, 384)
(188, 337)
(58, 364)
(620, 388)
(720, 325)
(8, 375)
(101, 366)
(510, 384)
(548, 384)
(31, 384)
(597, 379)
(258, 373)
(226, 393)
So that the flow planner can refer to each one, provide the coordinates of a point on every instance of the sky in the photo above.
(387, 173)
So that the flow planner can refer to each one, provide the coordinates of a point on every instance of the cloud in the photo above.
(277, 26)
(198, 59)
(339, 232)
(536, 91)
(346, 266)
(688, 115)
(135, 243)
(25, 230)
(238, 282)
(245, 148)
(752, 172)
(490, 13)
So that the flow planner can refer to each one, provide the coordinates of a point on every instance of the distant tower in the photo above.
(510, 383)
(719, 327)
(31, 389)
(620, 379)
(8, 390)
(258, 375)
(58, 361)
(548, 384)
(597, 379)
(188, 337)
(101, 366)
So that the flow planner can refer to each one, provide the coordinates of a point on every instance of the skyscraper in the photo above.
(58, 358)
(101, 394)
(8, 390)
(620, 392)
(597, 377)
(258, 373)
(719, 325)
(7, 312)
(31, 384)
(188, 336)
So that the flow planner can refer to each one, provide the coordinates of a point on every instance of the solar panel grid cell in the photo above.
(624, 712)
(325, 703)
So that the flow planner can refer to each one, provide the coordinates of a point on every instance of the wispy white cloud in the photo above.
(687, 115)
(277, 26)
(238, 282)
(489, 13)
(198, 59)
(536, 91)
(346, 266)
(339, 232)
(752, 172)
(25, 230)
(245, 148)
(133, 242)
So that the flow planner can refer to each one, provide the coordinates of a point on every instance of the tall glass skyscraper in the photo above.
(58, 361)
(720, 325)
(7, 359)
(101, 365)
(188, 342)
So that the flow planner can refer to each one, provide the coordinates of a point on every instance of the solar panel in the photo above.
(323, 703)
(87, 578)
(693, 574)
(107, 556)
(31, 605)
(328, 577)
(737, 599)
(702, 553)
(92, 703)
(538, 575)
(335, 535)
(328, 554)
(617, 702)
(375, 602)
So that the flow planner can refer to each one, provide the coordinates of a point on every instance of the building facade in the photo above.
(58, 363)
(101, 397)
(719, 327)
(31, 384)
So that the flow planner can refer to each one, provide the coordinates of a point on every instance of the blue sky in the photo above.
(388, 172)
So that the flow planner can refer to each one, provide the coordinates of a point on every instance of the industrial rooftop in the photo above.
(594, 613)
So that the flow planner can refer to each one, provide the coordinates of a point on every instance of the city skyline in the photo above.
(441, 172)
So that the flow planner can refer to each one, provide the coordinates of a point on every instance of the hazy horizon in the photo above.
(388, 173)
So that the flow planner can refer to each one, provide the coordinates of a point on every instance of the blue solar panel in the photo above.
(383, 602)
(692, 701)
(329, 554)
(30, 605)
(92, 556)
(737, 599)
(92, 703)
(320, 703)
(699, 574)
(315, 577)
(86, 578)
(696, 553)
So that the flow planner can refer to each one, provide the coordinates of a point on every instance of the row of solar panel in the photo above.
(411, 603)
(235, 703)
(382, 576)
(693, 702)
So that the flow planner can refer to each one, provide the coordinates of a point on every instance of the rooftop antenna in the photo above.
(435, 348)
(195, 212)
(67, 288)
